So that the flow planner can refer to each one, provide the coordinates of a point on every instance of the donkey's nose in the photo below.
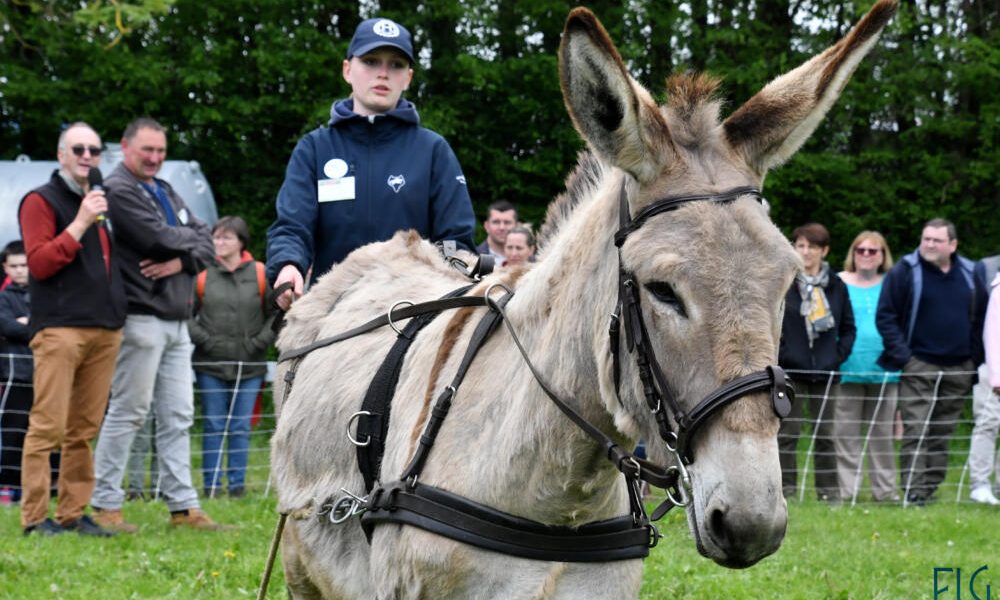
(745, 535)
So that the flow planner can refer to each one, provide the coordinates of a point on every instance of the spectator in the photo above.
(983, 457)
(817, 335)
(15, 369)
(231, 332)
(163, 246)
(924, 318)
(77, 311)
(867, 392)
(501, 217)
(519, 247)
(143, 451)
(371, 172)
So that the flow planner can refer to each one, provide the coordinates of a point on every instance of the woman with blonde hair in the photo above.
(867, 393)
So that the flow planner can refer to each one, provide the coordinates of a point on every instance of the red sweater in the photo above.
(48, 252)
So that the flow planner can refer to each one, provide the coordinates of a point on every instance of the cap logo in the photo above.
(386, 28)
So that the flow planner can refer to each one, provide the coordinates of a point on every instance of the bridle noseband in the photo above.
(656, 390)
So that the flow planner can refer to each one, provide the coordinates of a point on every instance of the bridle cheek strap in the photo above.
(656, 391)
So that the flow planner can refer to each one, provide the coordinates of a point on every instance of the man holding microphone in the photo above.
(77, 311)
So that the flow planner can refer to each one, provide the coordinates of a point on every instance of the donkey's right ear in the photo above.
(772, 125)
(615, 114)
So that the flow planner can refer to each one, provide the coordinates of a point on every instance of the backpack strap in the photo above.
(199, 285)
(261, 281)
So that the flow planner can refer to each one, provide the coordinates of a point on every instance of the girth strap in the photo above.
(376, 408)
(438, 511)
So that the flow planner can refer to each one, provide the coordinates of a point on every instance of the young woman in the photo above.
(866, 396)
(231, 331)
(519, 247)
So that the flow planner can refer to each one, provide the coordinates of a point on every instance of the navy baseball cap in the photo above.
(376, 33)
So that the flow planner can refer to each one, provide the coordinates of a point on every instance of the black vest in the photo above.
(81, 294)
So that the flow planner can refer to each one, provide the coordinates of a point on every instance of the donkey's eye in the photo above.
(662, 291)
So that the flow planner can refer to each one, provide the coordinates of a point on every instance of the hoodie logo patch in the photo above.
(396, 182)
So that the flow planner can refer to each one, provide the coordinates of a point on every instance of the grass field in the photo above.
(861, 552)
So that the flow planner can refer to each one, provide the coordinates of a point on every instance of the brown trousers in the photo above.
(73, 368)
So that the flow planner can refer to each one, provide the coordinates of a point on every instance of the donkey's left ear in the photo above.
(772, 125)
(615, 114)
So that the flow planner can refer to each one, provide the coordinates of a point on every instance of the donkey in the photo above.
(710, 278)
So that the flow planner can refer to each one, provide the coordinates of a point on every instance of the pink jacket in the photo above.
(991, 333)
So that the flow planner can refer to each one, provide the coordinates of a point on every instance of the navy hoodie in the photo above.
(362, 179)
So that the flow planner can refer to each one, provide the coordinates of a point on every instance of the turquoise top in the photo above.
(860, 366)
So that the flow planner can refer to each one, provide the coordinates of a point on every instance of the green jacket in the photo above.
(232, 322)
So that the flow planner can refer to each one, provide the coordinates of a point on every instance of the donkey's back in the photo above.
(312, 455)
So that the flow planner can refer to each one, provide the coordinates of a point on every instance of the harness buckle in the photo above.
(654, 535)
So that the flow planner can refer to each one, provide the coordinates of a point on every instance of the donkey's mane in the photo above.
(692, 111)
(692, 107)
(580, 184)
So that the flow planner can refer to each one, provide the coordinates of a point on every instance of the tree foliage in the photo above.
(915, 135)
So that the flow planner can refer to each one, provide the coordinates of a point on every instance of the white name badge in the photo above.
(334, 190)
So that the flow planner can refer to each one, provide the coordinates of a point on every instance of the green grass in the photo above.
(862, 552)
(865, 552)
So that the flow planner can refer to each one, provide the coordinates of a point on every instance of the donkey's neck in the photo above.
(561, 310)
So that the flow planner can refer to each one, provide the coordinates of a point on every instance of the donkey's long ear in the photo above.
(772, 125)
(615, 114)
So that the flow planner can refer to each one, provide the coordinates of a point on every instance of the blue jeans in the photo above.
(226, 407)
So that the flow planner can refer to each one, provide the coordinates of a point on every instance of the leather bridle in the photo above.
(656, 390)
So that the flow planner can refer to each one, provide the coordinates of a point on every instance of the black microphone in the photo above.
(96, 181)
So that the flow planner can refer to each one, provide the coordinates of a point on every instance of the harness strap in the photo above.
(406, 312)
(771, 379)
(487, 325)
(627, 463)
(377, 406)
(441, 512)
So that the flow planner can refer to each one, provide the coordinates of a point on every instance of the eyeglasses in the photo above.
(79, 149)
(867, 251)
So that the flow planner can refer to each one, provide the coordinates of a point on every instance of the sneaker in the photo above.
(195, 518)
(86, 526)
(48, 527)
(113, 520)
(983, 495)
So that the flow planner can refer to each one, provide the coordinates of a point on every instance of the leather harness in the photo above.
(409, 501)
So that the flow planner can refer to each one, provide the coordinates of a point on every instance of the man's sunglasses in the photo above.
(79, 149)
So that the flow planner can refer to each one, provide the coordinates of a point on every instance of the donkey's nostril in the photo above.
(720, 531)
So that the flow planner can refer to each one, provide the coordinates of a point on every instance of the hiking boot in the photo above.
(113, 520)
(47, 528)
(86, 526)
(195, 518)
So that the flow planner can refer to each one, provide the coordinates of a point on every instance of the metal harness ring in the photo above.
(354, 417)
(388, 315)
